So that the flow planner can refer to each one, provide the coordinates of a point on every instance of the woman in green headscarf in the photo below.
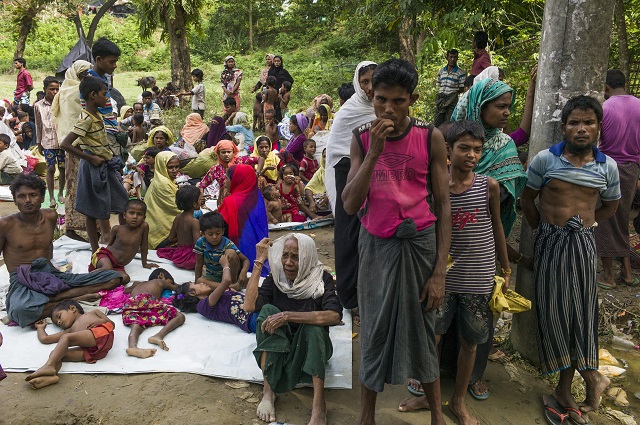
(489, 103)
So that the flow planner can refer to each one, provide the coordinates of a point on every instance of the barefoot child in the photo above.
(138, 133)
(90, 336)
(477, 236)
(124, 242)
(258, 113)
(99, 191)
(269, 95)
(271, 128)
(217, 303)
(273, 204)
(284, 96)
(144, 309)
(185, 230)
(291, 193)
(211, 246)
(309, 165)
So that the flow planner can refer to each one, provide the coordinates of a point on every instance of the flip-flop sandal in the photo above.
(553, 413)
(483, 396)
(578, 412)
(620, 279)
(413, 391)
(605, 286)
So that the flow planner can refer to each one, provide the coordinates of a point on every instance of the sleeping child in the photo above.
(216, 302)
(185, 230)
(86, 337)
(145, 309)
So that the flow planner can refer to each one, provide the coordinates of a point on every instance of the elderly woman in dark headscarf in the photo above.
(297, 304)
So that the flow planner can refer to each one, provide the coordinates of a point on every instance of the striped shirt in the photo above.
(450, 82)
(91, 135)
(212, 256)
(601, 173)
(108, 112)
(472, 245)
(45, 127)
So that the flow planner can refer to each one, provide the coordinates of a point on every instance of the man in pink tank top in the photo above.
(396, 161)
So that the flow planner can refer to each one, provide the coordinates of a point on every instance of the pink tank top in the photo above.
(398, 188)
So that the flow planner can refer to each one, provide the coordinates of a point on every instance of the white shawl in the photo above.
(308, 283)
(356, 111)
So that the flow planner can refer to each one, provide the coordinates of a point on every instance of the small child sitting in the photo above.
(308, 165)
(273, 204)
(216, 302)
(268, 173)
(291, 192)
(90, 334)
(185, 230)
(124, 242)
(9, 167)
(211, 246)
(145, 172)
(138, 133)
(316, 192)
(144, 309)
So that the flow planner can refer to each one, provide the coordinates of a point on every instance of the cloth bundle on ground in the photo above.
(161, 201)
(199, 166)
(244, 212)
(31, 286)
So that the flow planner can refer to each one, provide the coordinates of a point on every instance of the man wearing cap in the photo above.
(230, 79)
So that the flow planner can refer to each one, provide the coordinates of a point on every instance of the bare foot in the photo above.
(413, 403)
(266, 409)
(319, 417)
(592, 401)
(158, 341)
(463, 415)
(45, 370)
(43, 381)
(142, 353)
(570, 405)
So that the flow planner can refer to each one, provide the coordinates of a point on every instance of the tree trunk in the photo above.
(179, 46)
(574, 54)
(407, 44)
(26, 24)
(623, 41)
(251, 25)
(96, 19)
(78, 23)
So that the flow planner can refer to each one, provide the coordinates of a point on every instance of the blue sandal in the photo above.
(483, 396)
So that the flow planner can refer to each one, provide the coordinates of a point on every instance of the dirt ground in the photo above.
(192, 399)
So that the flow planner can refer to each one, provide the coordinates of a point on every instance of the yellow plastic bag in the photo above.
(510, 301)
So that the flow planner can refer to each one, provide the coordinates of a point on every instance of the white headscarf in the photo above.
(492, 72)
(308, 283)
(66, 106)
(356, 111)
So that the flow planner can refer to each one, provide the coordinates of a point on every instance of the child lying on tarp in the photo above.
(145, 309)
(216, 302)
(87, 337)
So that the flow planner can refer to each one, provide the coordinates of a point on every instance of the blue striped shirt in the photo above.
(450, 82)
(600, 174)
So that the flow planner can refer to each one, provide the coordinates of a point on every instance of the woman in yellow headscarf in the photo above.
(160, 137)
(125, 112)
(323, 119)
(161, 198)
(268, 173)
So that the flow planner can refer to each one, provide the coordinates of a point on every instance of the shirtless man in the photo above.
(124, 242)
(28, 235)
(569, 178)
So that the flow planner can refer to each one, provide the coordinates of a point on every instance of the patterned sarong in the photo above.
(566, 296)
(146, 310)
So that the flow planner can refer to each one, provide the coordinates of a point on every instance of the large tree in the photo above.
(574, 53)
(24, 14)
(176, 18)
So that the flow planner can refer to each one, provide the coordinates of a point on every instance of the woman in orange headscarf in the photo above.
(194, 131)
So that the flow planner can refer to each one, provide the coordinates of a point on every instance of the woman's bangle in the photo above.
(258, 263)
(227, 267)
(518, 259)
(505, 272)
